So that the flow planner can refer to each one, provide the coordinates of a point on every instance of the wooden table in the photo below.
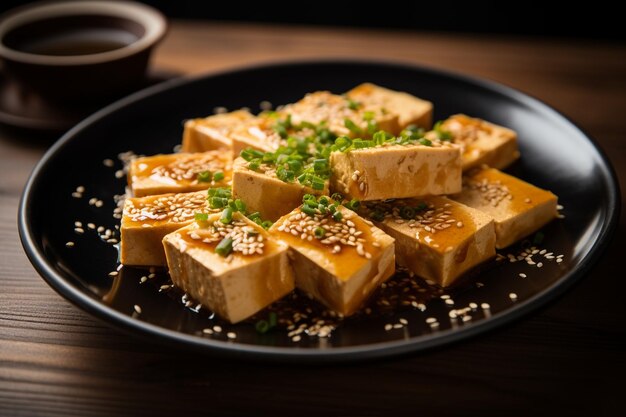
(568, 358)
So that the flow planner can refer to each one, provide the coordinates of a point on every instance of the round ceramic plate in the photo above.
(556, 156)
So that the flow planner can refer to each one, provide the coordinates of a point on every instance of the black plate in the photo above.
(556, 155)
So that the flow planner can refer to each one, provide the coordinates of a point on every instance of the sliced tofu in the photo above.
(397, 171)
(436, 238)
(255, 273)
(179, 172)
(409, 109)
(483, 143)
(333, 110)
(519, 208)
(262, 191)
(214, 132)
(342, 268)
(146, 220)
(261, 136)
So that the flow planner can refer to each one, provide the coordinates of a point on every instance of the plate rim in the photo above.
(295, 354)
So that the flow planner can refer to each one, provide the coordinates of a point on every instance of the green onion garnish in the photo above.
(353, 105)
(337, 216)
(218, 176)
(227, 215)
(201, 217)
(262, 326)
(352, 127)
(319, 232)
(225, 247)
(204, 176)
(273, 319)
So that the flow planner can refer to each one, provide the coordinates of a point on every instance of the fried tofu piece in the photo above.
(409, 109)
(146, 220)
(262, 191)
(236, 279)
(179, 172)
(483, 143)
(436, 238)
(260, 135)
(519, 208)
(214, 132)
(333, 110)
(397, 171)
(342, 268)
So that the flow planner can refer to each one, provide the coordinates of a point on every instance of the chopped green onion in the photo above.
(337, 197)
(225, 247)
(442, 134)
(352, 127)
(378, 216)
(273, 319)
(425, 142)
(218, 202)
(308, 210)
(201, 217)
(267, 224)
(319, 232)
(240, 205)
(337, 216)
(262, 326)
(204, 176)
(407, 212)
(353, 105)
(218, 176)
(250, 154)
(227, 215)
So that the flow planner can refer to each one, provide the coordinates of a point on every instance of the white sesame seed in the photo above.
(91, 226)
(113, 273)
(539, 264)
(207, 331)
(143, 279)
(452, 314)
(107, 163)
(119, 174)
(459, 224)
(485, 306)
(231, 335)
(513, 296)
(165, 287)
(79, 230)
(217, 329)
(445, 297)
(137, 309)
(473, 306)
(403, 321)
(431, 320)
(388, 327)
(522, 275)
(466, 318)
(450, 302)
(296, 338)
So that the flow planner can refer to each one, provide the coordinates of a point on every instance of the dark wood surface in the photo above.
(569, 358)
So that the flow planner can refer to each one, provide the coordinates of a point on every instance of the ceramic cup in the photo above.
(79, 50)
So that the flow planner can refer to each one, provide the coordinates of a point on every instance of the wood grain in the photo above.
(568, 358)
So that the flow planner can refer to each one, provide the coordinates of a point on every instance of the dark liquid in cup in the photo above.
(78, 42)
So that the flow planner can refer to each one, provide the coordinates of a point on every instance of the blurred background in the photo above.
(590, 20)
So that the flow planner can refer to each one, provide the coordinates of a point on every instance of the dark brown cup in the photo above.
(79, 50)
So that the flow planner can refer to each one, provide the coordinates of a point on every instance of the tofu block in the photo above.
(483, 143)
(213, 132)
(409, 109)
(436, 238)
(260, 135)
(519, 208)
(146, 220)
(333, 110)
(255, 273)
(262, 191)
(397, 171)
(342, 268)
(178, 172)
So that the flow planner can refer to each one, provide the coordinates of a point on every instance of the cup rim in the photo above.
(151, 19)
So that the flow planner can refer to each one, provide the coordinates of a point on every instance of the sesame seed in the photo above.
(231, 335)
(388, 327)
(459, 224)
(485, 306)
(99, 203)
(452, 314)
(466, 318)
(137, 309)
(217, 329)
(91, 226)
(113, 273)
(77, 195)
(445, 297)
(539, 264)
(80, 189)
(143, 279)
(119, 174)
(69, 244)
(450, 302)
(513, 296)
(522, 275)
(79, 230)
(296, 338)
(473, 306)
(165, 287)
(107, 163)
(403, 321)
(431, 320)
(207, 331)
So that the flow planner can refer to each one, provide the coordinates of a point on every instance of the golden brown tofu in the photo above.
(333, 110)
(483, 143)
(233, 269)
(260, 135)
(409, 109)
(214, 132)
(436, 238)
(146, 220)
(518, 207)
(341, 266)
(262, 191)
(179, 172)
(397, 171)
